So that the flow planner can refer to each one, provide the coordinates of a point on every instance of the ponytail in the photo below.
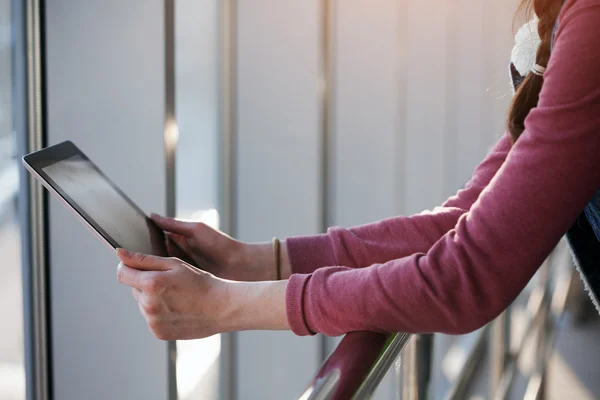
(528, 92)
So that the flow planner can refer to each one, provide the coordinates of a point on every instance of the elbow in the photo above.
(450, 322)
(470, 321)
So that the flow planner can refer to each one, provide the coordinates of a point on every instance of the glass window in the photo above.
(12, 371)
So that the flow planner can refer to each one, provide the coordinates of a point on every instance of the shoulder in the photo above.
(586, 9)
(572, 78)
(578, 26)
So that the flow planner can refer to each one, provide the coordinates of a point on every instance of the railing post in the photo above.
(416, 368)
(499, 342)
(545, 278)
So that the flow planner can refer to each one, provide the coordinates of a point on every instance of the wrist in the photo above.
(255, 306)
(286, 267)
(259, 260)
(253, 262)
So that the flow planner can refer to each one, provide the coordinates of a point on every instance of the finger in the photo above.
(144, 262)
(130, 276)
(177, 247)
(179, 227)
(180, 241)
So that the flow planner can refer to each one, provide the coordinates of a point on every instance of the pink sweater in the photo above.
(456, 268)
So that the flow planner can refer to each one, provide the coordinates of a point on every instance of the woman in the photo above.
(451, 270)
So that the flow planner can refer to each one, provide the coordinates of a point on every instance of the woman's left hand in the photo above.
(181, 302)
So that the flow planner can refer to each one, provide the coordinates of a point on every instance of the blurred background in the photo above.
(262, 118)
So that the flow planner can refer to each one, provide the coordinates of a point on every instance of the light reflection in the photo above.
(196, 357)
(194, 360)
(171, 134)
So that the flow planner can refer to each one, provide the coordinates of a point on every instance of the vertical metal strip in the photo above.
(36, 284)
(227, 172)
(170, 143)
(416, 368)
(170, 129)
(409, 386)
(542, 345)
(327, 172)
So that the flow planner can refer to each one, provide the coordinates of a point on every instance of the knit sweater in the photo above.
(457, 267)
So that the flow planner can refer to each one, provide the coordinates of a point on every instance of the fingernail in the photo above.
(123, 252)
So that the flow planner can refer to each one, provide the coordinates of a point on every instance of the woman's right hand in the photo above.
(221, 255)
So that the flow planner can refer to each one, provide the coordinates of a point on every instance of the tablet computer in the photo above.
(95, 200)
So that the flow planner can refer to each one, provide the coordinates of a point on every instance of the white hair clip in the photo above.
(527, 42)
(538, 70)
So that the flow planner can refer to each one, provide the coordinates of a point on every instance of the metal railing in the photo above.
(362, 359)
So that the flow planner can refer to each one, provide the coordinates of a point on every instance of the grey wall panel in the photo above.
(420, 92)
(105, 80)
(484, 39)
(278, 168)
(365, 107)
(278, 118)
(365, 111)
(498, 37)
(470, 89)
(197, 105)
(426, 81)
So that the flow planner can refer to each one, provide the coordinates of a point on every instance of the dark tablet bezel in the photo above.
(63, 151)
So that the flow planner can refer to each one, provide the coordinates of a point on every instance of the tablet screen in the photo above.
(108, 209)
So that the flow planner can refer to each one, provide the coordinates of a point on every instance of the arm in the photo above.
(478, 268)
(356, 247)
(391, 238)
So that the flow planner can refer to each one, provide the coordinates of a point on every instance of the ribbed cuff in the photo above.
(294, 304)
(308, 253)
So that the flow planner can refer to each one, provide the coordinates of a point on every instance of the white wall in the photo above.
(105, 87)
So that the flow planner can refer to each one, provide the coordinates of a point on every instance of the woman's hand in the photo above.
(221, 255)
(181, 302)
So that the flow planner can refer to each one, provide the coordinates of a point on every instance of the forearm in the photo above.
(378, 242)
(370, 244)
(394, 237)
(478, 268)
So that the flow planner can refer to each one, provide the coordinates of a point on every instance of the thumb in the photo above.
(143, 261)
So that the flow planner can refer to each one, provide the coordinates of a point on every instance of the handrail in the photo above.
(385, 362)
(357, 365)
(362, 359)
(323, 388)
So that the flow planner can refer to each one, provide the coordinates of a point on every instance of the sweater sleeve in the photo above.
(394, 237)
(478, 268)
